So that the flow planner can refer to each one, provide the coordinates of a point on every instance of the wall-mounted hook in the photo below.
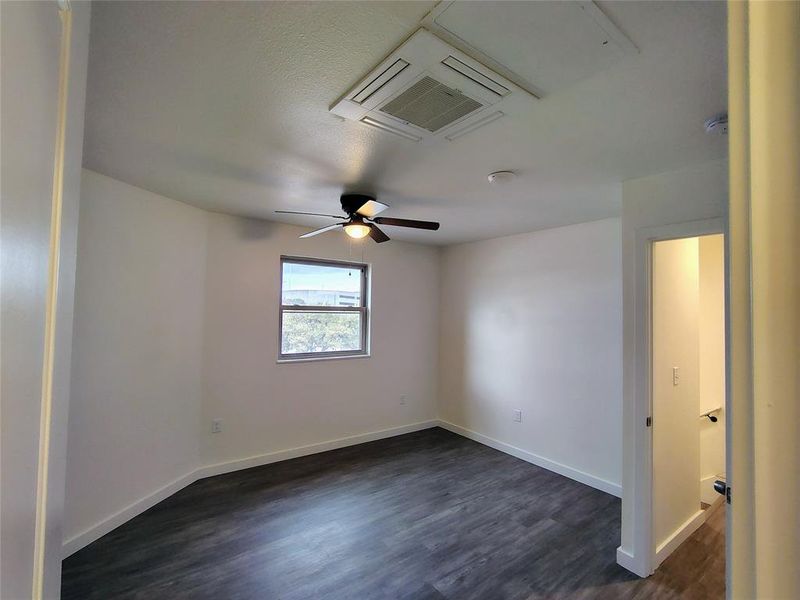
(710, 414)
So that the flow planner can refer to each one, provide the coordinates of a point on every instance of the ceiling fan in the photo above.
(362, 219)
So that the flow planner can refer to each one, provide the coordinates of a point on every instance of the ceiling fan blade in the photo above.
(371, 208)
(377, 235)
(295, 212)
(361, 204)
(321, 230)
(432, 225)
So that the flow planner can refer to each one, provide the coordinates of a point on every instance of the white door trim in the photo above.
(48, 360)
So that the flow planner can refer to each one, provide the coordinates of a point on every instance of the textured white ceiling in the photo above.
(225, 106)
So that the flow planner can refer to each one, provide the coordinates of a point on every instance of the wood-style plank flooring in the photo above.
(424, 516)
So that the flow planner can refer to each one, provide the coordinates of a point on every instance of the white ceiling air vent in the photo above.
(426, 91)
(430, 105)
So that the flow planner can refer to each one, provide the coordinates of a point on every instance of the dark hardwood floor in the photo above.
(424, 516)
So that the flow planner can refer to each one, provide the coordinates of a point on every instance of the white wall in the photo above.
(31, 34)
(137, 352)
(712, 362)
(267, 406)
(533, 322)
(676, 407)
(176, 324)
(692, 194)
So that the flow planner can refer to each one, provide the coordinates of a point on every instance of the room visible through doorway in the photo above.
(688, 388)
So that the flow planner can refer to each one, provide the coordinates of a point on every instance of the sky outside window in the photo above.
(321, 285)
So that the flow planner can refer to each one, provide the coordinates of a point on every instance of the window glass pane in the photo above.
(307, 332)
(320, 285)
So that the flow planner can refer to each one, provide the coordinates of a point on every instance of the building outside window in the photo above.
(324, 310)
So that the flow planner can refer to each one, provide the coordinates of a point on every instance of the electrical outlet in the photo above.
(518, 416)
(403, 399)
(216, 426)
(676, 376)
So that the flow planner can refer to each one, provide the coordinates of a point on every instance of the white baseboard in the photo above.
(626, 560)
(679, 536)
(272, 457)
(638, 567)
(98, 530)
(590, 480)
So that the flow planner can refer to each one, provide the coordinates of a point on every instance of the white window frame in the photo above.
(362, 310)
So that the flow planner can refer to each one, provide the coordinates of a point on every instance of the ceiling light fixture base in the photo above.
(501, 177)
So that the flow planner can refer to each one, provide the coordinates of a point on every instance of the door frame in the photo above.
(59, 291)
(644, 555)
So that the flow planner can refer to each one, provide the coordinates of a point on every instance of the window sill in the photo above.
(282, 361)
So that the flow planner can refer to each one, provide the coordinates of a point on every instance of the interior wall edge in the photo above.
(628, 561)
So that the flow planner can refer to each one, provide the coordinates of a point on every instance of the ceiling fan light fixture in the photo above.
(356, 230)
(361, 220)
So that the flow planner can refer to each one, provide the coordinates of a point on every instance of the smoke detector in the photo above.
(501, 177)
(427, 91)
(717, 125)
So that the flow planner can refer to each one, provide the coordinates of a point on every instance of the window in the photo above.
(323, 310)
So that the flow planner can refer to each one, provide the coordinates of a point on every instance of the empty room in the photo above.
(400, 300)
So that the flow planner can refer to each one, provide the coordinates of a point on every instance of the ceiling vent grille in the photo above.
(366, 92)
(430, 105)
(427, 91)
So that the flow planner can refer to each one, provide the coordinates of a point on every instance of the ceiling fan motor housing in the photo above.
(352, 202)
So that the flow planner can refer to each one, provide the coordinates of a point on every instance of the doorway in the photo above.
(687, 380)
